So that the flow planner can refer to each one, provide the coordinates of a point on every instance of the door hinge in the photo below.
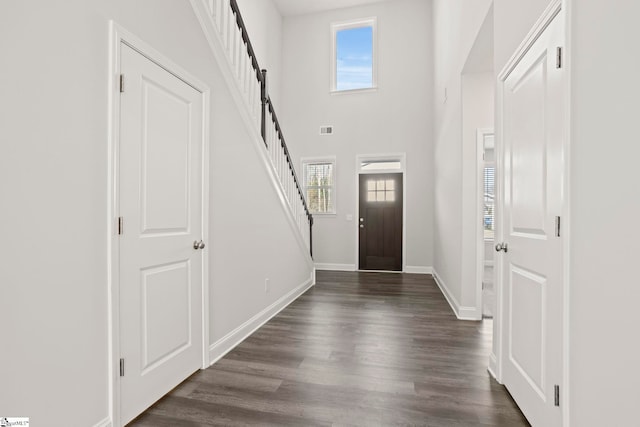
(121, 83)
(120, 226)
(557, 226)
(556, 395)
(122, 367)
(559, 57)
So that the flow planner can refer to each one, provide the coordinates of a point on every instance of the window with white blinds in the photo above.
(489, 202)
(319, 185)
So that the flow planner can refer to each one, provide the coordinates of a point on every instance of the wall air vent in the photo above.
(326, 130)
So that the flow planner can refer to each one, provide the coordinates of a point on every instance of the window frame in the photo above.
(314, 161)
(349, 25)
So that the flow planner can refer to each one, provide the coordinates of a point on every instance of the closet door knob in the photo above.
(502, 247)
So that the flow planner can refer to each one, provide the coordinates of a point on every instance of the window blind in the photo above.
(319, 187)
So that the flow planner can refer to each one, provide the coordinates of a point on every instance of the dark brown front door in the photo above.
(380, 222)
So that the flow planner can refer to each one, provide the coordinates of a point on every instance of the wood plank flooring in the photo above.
(358, 349)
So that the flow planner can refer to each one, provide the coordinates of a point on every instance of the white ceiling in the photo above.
(301, 7)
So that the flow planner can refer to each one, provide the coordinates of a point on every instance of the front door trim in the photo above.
(397, 157)
(118, 36)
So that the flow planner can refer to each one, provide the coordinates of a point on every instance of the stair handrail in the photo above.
(286, 153)
(261, 75)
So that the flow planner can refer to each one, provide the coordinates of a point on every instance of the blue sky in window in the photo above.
(354, 59)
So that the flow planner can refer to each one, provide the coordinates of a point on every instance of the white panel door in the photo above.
(534, 105)
(160, 192)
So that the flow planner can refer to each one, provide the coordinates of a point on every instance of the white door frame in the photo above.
(393, 157)
(498, 353)
(117, 36)
(480, 243)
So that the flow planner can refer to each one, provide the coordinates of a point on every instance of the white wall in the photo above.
(605, 208)
(395, 118)
(456, 26)
(252, 238)
(264, 25)
(53, 187)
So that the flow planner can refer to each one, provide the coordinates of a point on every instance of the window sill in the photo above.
(352, 91)
(324, 215)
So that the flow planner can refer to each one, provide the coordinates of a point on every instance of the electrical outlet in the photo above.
(267, 285)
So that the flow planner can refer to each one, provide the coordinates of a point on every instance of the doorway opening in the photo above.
(478, 120)
(486, 217)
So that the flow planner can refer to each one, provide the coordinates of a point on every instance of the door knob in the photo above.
(502, 247)
(198, 245)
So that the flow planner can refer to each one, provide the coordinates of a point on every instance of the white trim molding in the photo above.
(104, 423)
(461, 312)
(335, 267)
(412, 269)
(493, 367)
(224, 345)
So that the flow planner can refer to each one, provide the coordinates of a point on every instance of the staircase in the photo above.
(229, 40)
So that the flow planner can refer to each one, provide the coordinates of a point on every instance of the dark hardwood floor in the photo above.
(366, 349)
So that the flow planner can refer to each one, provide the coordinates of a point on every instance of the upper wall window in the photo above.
(354, 55)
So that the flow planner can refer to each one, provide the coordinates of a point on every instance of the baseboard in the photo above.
(335, 267)
(227, 343)
(493, 367)
(461, 312)
(351, 267)
(468, 313)
(453, 302)
(104, 423)
(418, 270)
